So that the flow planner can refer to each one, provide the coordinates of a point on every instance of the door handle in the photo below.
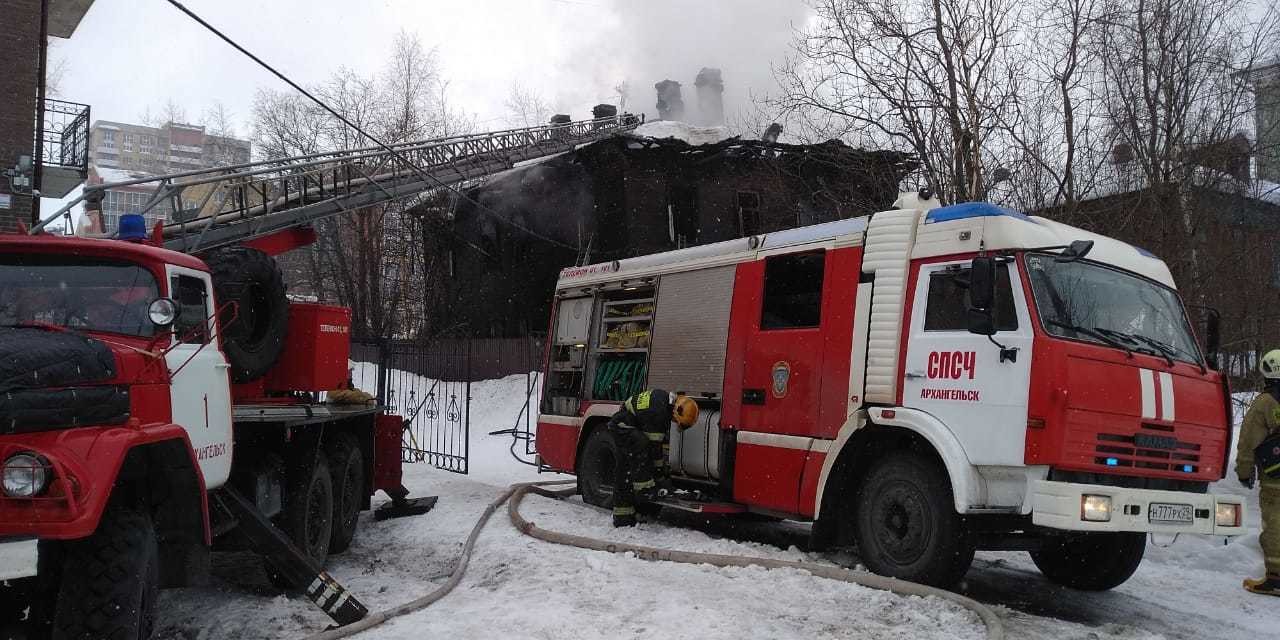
(753, 396)
(222, 365)
(912, 375)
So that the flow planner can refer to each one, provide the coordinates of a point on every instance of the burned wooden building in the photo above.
(661, 187)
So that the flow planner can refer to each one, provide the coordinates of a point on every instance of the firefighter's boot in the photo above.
(624, 516)
(1268, 586)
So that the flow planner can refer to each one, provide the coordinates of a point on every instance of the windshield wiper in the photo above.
(1093, 333)
(1154, 347)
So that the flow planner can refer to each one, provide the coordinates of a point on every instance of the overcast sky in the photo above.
(131, 55)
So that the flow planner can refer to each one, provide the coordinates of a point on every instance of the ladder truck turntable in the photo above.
(159, 399)
(919, 383)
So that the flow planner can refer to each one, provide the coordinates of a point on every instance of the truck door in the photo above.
(200, 390)
(783, 357)
(961, 378)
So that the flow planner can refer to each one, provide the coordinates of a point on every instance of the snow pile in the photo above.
(672, 129)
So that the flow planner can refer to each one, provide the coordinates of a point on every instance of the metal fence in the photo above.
(429, 385)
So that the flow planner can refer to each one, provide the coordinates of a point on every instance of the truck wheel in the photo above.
(110, 580)
(348, 489)
(307, 517)
(907, 526)
(1091, 561)
(596, 468)
(254, 327)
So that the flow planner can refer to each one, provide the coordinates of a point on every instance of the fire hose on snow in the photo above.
(516, 493)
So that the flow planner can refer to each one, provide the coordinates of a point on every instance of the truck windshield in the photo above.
(85, 294)
(1087, 301)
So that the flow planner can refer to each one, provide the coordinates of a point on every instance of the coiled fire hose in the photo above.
(516, 493)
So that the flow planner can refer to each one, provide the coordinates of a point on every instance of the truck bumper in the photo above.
(17, 558)
(1058, 505)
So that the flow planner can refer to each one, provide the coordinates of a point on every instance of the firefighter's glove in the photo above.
(1247, 482)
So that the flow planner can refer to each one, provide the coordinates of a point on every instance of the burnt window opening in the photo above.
(192, 324)
(793, 291)
(748, 205)
(682, 215)
(947, 308)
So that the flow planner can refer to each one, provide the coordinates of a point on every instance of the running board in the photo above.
(289, 560)
(697, 506)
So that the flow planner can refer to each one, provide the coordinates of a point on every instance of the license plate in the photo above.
(1164, 512)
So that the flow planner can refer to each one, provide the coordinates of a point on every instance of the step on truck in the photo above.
(142, 387)
(918, 383)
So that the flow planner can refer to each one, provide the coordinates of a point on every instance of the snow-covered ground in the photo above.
(518, 587)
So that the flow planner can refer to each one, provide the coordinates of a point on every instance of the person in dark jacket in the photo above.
(639, 430)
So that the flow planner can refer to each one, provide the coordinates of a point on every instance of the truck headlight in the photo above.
(1227, 515)
(1095, 508)
(25, 475)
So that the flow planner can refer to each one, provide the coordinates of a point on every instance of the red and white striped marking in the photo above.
(1157, 394)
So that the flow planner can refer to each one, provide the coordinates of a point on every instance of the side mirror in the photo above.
(1212, 336)
(981, 322)
(982, 294)
(163, 311)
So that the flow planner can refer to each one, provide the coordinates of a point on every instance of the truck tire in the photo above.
(110, 580)
(596, 468)
(308, 516)
(253, 329)
(906, 523)
(1091, 561)
(348, 489)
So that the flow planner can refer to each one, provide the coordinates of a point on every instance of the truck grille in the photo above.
(1152, 447)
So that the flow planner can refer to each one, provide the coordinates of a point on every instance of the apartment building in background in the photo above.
(120, 152)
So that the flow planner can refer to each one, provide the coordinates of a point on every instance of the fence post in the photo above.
(466, 431)
(383, 371)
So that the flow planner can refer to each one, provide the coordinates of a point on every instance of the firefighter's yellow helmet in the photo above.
(1270, 365)
(684, 411)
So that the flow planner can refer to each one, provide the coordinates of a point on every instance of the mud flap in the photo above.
(402, 506)
(265, 538)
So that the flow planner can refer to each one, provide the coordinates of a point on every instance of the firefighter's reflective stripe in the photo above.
(624, 511)
(641, 486)
(654, 436)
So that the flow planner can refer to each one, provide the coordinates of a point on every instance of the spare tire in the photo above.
(254, 327)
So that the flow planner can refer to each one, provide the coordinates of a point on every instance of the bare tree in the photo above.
(933, 77)
(369, 259)
(526, 107)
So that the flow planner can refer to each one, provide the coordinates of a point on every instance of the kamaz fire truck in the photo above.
(918, 383)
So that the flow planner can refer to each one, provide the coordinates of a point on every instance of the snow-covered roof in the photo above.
(672, 129)
(110, 176)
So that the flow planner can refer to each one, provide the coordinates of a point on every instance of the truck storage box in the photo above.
(315, 351)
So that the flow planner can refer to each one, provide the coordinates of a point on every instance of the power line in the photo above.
(421, 173)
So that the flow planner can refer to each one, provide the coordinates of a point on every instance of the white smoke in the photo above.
(646, 42)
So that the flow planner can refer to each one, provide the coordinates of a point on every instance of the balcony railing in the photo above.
(64, 146)
(66, 135)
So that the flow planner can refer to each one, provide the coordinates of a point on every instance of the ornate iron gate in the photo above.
(429, 385)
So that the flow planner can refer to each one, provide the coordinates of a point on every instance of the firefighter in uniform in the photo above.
(1262, 463)
(639, 430)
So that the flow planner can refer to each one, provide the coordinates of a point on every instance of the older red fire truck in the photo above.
(919, 383)
(122, 431)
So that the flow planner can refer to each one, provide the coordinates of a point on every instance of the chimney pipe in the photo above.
(710, 97)
(670, 104)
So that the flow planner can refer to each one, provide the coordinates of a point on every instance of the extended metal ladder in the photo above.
(228, 205)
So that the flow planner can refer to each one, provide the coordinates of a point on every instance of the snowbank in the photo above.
(671, 129)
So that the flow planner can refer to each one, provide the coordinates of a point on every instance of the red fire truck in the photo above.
(141, 387)
(919, 383)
